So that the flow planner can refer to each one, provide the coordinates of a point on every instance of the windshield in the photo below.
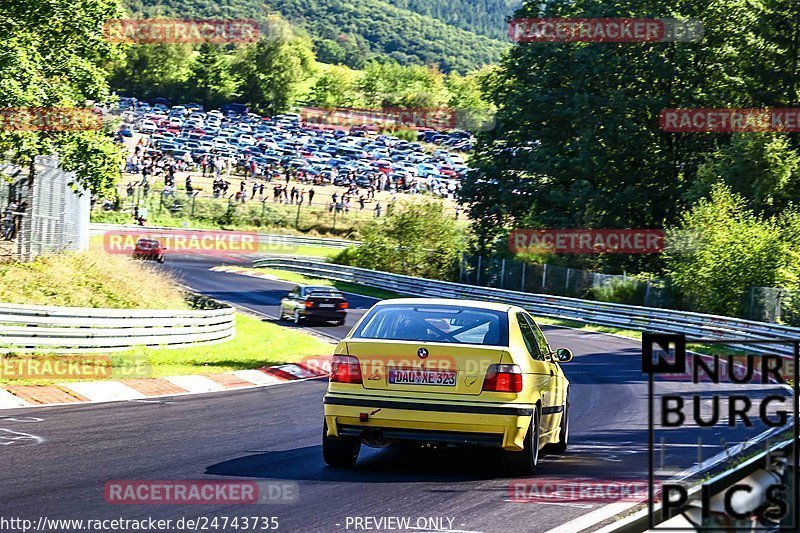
(451, 324)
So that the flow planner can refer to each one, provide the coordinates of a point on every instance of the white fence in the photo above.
(586, 311)
(58, 217)
(62, 330)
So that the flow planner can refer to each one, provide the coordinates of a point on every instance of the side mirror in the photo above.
(563, 355)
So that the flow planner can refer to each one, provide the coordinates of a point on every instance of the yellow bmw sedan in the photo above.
(447, 372)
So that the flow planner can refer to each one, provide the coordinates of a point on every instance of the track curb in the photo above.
(84, 392)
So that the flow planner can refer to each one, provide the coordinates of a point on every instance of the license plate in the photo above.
(327, 305)
(422, 377)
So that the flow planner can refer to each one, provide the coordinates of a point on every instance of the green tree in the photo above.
(762, 168)
(272, 69)
(153, 70)
(53, 56)
(577, 141)
(334, 88)
(211, 79)
(723, 248)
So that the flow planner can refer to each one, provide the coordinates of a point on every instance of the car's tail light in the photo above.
(341, 305)
(503, 378)
(310, 304)
(345, 369)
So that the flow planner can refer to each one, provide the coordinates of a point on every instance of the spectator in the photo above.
(9, 223)
(377, 210)
(310, 196)
(189, 188)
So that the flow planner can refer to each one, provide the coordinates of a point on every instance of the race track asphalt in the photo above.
(56, 460)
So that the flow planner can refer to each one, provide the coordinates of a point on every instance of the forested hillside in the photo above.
(351, 33)
(486, 17)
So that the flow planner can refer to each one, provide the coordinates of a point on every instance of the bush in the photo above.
(733, 250)
(417, 239)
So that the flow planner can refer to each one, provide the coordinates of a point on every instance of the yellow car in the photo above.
(447, 372)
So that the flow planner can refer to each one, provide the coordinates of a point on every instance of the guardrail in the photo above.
(586, 311)
(64, 330)
(263, 238)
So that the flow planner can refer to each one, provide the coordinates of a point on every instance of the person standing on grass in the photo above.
(302, 197)
(189, 188)
(9, 224)
(378, 210)
(261, 191)
(310, 196)
(255, 190)
(361, 202)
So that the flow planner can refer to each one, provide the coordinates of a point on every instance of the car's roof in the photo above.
(447, 301)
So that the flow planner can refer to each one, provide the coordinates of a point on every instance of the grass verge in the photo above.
(88, 279)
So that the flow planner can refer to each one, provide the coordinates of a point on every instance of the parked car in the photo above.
(149, 249)
(312, 302)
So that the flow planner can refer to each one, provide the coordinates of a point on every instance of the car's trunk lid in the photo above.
(429, 367)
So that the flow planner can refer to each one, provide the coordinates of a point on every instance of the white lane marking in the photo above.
(9, 401)
(20, 438)
(574, 505)
(195, 383)
(256, 377)
(24, 419)
(104, 391)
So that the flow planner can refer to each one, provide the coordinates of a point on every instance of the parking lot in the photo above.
(233, 143)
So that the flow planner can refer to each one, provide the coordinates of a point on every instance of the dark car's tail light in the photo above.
(310, 304)
(341, 305)
(345, 369)
(503, 378)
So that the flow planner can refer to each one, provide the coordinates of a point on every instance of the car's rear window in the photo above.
(323, 291)
(435, 323)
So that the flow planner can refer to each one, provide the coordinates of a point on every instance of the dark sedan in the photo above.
(310, 302)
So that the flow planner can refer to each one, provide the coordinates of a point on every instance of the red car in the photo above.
(149, 249)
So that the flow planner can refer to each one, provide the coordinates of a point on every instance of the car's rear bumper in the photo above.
(324, 315)
(479, 423)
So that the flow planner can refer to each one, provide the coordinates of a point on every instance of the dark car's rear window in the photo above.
(435, 323)
(323, 291)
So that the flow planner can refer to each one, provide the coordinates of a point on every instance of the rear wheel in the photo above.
(563, 433)
(342, 452)
(526, 461)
